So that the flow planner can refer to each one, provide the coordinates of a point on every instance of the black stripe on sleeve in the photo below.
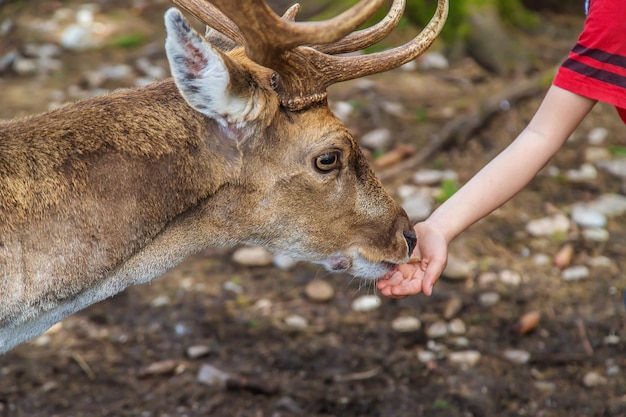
(598, 74)
(600, 55)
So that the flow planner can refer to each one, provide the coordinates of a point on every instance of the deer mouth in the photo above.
(358, 266)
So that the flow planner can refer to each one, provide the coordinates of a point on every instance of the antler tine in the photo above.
(267, 35)
(342, 68)
(367, 37)
(212, 17)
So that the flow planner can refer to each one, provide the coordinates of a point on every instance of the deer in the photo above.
(239, 146)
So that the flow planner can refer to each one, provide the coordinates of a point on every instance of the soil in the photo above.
(128, 356)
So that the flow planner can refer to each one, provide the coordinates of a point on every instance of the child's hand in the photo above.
(414, 278)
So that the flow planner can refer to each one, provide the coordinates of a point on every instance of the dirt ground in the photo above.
(129, 355)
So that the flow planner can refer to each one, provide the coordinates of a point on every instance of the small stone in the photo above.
(433, 176)
(366, 303)
(457, 327)
(458, 269)
(406, 324)
(489, 299)
(467, 358)
(437, 329)
(486, 279)
(433, 60)
(319, 290)
(545, 387)
(596, 234)
(585, 174)
(160, 301)
(211, 376)
(376, 139)
(296, 321)
(593, 379)
(597, 135)
(595, 154)
(517, 356)
(426, 356)
(233, 287)
(253, 256)
(611, 205)
(165, 367)
(548, 226)
(611, 340)
(342, 109)
(452, 308)
(284, 262)
(510, 278)
(575, 273)
(418, 206)
(197, 351)
(587, 217)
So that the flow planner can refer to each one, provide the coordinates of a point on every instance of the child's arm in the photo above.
(555, 120)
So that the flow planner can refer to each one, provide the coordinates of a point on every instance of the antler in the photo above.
(305, 71)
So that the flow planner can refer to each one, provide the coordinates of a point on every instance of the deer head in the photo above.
(274, 72)
(240, 147)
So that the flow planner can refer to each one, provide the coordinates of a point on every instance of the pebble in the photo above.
(517, 356)
(457, 327)
(433, 176)
(342, 109)
(319, 290)
(597, 135)
(587, 217)
(253, 256)
(467, 358)
(593, 379)
(376, 139)
(458, 269)
(418, 206)
(611, 340)
(284, 262)
(615, 167)
(595, 154)
(211, 376)
(510, 278)
(611, 205)
(585, 173)
(366, 303)
(233, 287)
(197, 351)
(489, 299)
(452, 308)
(548, 226)
(164, 367)
(426, 356)
(575, 273)
(545, 387)
(160, 301)
(486, 279)
(406, 324)
(437, 330)
(596, 234)
(296, 321)
(433, 60)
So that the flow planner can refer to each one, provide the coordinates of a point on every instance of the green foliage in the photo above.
(128, 41)
(447, 189)
(512, 11)
(619, 151)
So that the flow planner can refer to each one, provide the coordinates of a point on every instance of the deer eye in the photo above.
(328, 161)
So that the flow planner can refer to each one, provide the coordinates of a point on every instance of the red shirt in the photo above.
(596, 66)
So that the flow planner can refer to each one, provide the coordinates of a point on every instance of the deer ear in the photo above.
(203, 74)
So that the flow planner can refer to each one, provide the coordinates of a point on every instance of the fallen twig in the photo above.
(462, 127)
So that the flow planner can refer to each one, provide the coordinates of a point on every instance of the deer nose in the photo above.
(411, 240)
